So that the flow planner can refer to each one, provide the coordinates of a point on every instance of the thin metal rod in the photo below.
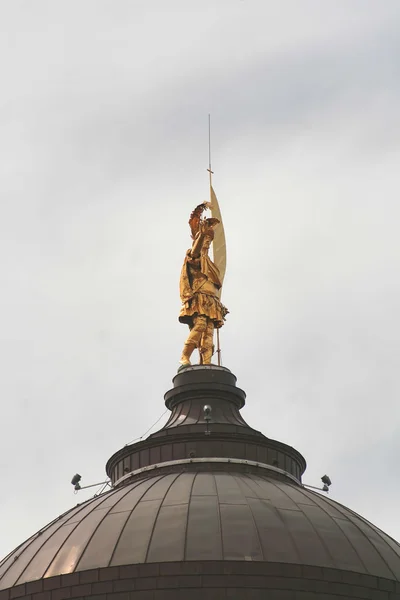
(218, 349)
(314, 488)
(209, 143)
(85, 487)
(210, 172)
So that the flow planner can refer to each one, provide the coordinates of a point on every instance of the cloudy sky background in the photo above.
(103, 151)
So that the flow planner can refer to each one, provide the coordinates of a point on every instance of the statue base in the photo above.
(188, 366)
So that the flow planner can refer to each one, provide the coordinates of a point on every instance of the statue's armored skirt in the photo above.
(199, 288)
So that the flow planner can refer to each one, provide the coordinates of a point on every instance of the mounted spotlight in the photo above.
(75, 481)
(326, 481)
(207, 410)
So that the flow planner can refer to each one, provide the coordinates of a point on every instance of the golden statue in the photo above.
(201, 283)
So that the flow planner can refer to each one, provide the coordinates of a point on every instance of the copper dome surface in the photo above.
(206, 510)
(191, 516)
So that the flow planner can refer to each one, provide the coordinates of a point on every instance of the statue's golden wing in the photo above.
(219, 244)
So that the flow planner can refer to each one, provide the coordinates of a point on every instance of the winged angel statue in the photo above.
(201, 283)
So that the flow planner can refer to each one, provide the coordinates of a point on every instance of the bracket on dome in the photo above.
(325, 480)
(77, 486)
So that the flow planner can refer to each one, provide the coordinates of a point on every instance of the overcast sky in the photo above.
(103, 154)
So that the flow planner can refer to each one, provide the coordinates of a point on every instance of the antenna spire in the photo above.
(212, 200)
(210, 172)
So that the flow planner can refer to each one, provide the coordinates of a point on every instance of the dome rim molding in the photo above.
(208, 460)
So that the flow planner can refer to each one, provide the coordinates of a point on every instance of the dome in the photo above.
(203, 516)
(205, 508)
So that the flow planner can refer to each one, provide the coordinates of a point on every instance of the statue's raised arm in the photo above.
(200, 286)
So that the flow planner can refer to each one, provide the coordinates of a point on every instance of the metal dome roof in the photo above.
(192, 515)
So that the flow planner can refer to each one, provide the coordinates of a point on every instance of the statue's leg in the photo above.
(206, 343)
(194, 338)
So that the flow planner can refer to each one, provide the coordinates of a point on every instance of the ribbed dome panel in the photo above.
(192, 516)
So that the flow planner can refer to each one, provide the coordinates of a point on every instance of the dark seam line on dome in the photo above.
(361, 518)
(238, 417)
(233, 418)
(385, 535)
(368, 523)
(246, 485)
(187, 413)
(276, 512)
(224, 410)
(88, 503)
(228, 414)
(157, 478)
(35, 536)
(353, 520)
(26, 543)
(39, 549)
(187, 516)
(308, 494)
(278, 515)
(219, 516)
(91, 501)
(71, 532)
(252, 517)
(156, 517)
(177, 413)
(375, 548)
(22, 546)
(166, 426)
(312, 526)
(178, 420)
(175, 416)
(7, 556)
(97, 527)
(169, 423)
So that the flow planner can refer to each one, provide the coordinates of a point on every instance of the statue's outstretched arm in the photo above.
(197, 244)
(195, 218)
